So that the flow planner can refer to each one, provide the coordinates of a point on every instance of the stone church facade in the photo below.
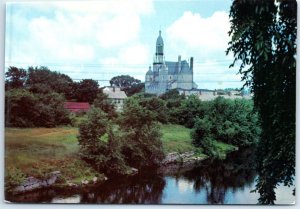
(167, 75)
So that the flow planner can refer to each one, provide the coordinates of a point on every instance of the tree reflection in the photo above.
(137, 189)
(217, 176)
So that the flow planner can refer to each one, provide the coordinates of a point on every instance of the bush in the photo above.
(25, 109)
(13, 177)
(113, 148)
(143, 143)
(229, 121)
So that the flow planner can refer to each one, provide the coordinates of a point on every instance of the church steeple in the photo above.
(159, 55)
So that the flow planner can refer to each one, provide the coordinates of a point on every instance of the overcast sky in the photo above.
(102, 39)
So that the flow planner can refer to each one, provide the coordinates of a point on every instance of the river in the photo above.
(228, 181)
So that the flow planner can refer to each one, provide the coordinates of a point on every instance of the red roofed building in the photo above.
(77, 106)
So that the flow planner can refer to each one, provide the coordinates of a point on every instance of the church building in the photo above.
(167, 75)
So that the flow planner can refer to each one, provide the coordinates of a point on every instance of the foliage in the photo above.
(102, 102)
(13, 177)
(86, 90)
(229, 121)
(123, 81)
(143, 145)
(15, 78)
(157, 106)
(176, 138)
(25, 109)
(134, 89)
(19, 111)
(42, 80)
(191, 108)
(264, 41)
(51, 111)
(173, 103)
(130, 142)
(127, 83)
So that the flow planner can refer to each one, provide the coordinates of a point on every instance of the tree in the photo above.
(15, 78)
(92, 148)
(230, 121)
(191, 108)
(263, 39)
(157, 106)
(87, 90)
(42, 80)
(19, 108)
(105, 105)
(143, 145)
(134, 141)
(173, 103)
(26, 109)
(127, 83)
(134, 89)
(124, 81)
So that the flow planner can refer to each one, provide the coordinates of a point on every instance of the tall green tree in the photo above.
(263, 40)
(127, 83)
(143, 145)
(230, 121)
(102, 102)
(42, 80)
(15, 78)
(174, 101)
(86, 90)
(26, 109)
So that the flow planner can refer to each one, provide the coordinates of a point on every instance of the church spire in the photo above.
(159, 55)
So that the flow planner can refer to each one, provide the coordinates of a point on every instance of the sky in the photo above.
(105, 38)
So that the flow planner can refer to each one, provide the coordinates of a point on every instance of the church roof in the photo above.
(185, 69)
(159, 40)
(173, 67)
(149, 72)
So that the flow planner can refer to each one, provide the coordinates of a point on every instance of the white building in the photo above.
(116, 96)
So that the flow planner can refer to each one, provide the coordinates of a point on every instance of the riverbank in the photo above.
(35, 153)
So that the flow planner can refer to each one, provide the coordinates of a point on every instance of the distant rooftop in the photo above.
(77, 106)
(114, 92)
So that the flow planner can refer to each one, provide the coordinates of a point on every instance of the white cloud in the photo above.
(205, 39)
(205, 36)
(74, 31)
(119, 30)
(135, 55)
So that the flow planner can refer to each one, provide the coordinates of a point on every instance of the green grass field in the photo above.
(176, 138)
(38, 151)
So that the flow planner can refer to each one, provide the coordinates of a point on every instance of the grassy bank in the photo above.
(38, 151)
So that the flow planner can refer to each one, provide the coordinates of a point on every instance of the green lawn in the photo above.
(38, 151)
(176, 138)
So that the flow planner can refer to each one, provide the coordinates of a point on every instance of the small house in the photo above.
(116, 96)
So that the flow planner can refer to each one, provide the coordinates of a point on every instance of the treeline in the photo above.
(132, 139)
(35, 97)
(230, 121)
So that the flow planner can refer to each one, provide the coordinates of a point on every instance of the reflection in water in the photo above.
(146, 188)
(72, 199)
(216, 177)
(211, 182)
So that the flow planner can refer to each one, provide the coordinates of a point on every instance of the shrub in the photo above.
(26, 109)
(230, 121)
